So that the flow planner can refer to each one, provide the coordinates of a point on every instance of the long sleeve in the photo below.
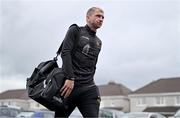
(68, 45)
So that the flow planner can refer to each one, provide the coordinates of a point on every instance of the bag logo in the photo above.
(44, 83)
(85, 37)
(86, 49)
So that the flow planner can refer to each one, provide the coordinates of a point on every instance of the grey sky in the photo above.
(141, 40)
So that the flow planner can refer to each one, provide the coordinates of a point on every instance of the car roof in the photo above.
(144, 114)
(113, 110)
(25, 114)
(177, 113)
(10, 106)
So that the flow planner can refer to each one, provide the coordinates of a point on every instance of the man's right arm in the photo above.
(68, 45)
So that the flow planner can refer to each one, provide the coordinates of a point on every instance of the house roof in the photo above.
(165, 110)
(113, 89)
(164, 85)
(162, 109)
(14, 94)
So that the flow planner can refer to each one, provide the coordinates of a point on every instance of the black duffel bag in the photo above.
(45, 83)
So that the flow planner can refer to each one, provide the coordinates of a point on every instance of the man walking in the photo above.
(80, 52)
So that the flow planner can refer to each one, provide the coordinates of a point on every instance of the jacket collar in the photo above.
(89, 30)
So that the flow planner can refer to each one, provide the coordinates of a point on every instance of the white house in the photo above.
(161, 96)
(115, 96)
(18, 98)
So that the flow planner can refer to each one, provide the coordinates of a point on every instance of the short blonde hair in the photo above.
(93, 9)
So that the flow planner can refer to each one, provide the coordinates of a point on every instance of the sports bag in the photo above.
(45, 83)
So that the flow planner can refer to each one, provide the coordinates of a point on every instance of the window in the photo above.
(9, 103)
(141, 101)
(37, 105)
(112, 104)
(177, 100)
(160, 101)
(152, 116)
(105, 114)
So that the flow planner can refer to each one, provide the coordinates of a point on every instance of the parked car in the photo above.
(110, 113)
(76, 114)
(142, 115)
(36, 114)
(9, 111)
(103, 113)
(177, 115)
(25, 114)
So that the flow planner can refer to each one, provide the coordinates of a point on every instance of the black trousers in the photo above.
(85, 98)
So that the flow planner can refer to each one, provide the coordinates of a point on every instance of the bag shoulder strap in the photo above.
(60, 48)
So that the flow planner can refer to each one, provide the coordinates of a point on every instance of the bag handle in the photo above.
(60, 48)
(58, 52)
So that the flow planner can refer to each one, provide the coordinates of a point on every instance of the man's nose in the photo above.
(101, 19)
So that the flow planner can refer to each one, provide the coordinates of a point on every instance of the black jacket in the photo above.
(80, 52)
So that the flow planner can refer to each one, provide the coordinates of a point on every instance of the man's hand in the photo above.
(67, 88)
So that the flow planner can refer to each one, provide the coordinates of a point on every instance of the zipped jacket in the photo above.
(80, 52)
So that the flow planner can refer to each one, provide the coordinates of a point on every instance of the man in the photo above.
(80, 52)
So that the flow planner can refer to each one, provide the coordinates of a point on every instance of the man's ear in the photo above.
(87, 18)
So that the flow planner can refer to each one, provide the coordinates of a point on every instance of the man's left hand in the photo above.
(67, 88)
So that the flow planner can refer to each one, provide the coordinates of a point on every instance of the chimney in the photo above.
(111, 82)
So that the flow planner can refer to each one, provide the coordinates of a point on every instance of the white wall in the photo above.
(115, 101)
(15, 102)
(150, 100)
